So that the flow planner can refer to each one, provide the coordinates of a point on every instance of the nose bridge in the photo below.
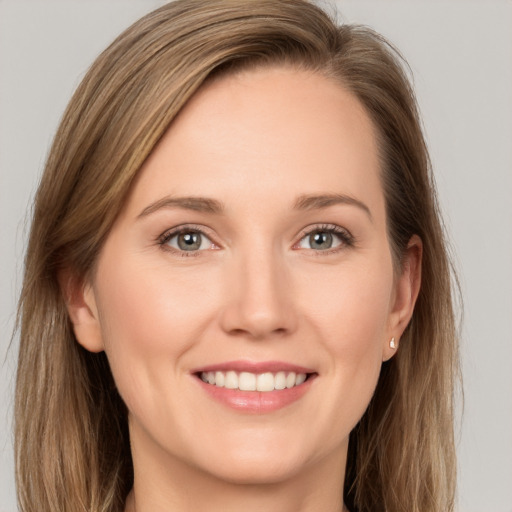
(259, 301)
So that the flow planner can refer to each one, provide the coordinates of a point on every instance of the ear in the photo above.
(407, 287)
(81, 305)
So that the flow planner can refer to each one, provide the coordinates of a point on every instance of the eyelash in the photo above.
(346, 238)
(164, 239)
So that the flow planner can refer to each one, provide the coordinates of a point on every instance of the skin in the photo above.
(257, 290)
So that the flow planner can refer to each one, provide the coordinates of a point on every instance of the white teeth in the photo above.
(219, 379)
(290, 380)
(280, 380)
(231, 380)
(246, 381)
(265, 382)
(301, 377)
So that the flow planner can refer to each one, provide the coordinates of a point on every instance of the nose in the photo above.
(259, 302)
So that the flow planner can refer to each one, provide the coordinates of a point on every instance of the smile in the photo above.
(247, 381)
(255, 387)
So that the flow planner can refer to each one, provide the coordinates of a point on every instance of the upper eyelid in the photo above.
(304, 231)
(176, 230)
(324, 227)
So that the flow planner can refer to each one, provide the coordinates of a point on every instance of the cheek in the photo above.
(352, 306)
(150, 317)
(350, 316)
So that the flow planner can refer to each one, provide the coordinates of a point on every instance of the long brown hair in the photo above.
(72, 447)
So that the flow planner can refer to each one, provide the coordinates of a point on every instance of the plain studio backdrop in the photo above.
(460, 53)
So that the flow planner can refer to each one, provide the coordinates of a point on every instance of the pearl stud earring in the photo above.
(392, 343)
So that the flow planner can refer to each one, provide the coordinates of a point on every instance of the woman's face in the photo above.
(252, 253)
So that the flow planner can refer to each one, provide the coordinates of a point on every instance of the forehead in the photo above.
(267, 133)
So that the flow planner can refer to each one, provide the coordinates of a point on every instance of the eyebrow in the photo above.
(197, 204)
(317, 202)
(208, 205)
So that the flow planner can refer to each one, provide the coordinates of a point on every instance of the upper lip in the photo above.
(254, 367)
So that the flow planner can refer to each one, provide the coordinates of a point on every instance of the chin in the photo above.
(256, 471)
(261, 461)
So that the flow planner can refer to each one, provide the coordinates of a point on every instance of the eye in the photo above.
(325, 238)
(187, 240)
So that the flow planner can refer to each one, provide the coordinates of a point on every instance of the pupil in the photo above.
(189, 241)
(321, 240)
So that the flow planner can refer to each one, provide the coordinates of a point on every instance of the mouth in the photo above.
(255, 387)
(247, 381)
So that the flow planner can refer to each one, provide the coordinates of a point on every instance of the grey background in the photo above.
(461, 56)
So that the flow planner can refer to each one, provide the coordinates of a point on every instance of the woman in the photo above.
(237, 291)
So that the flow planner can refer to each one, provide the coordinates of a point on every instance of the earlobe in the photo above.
(407, 288)
(83, 313)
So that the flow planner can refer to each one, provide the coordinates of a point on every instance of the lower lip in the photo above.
(256, 402)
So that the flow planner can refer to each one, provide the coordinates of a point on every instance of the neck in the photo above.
(257, 502)
(178, 486)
